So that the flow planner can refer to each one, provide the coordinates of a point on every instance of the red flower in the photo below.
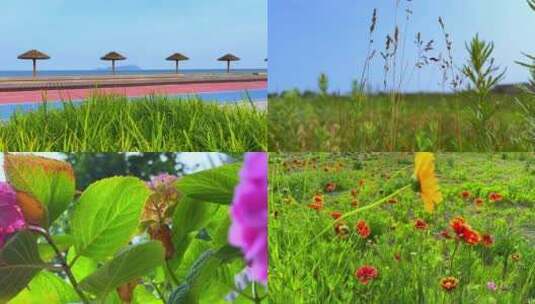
(366, 273)
(354, 192)
(478, 201)
(397, 256)
(458, 224)
(363, 229)
(336, 214)
(449, 283)
(464, 231)
(465, 194)
(487, 240)
(471, 237)
(330, 187)
(361, 182)
(495, 197)
(420, 224)
(354, 203)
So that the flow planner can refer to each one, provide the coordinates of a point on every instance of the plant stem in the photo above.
(351, 213)
(43, 232)
(171, 273)
(453, 255)
(256, 299)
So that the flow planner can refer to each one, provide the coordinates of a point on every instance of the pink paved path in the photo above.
(77, 94)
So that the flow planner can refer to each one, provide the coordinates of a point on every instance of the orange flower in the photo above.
(363, 229)
(424, 172)
(495, 197)
(397, 256)
(317, 203)
(465, 194)
(330, 187)
(354, 203)
(449, 283)
(487, 240)
(336, 214)
(361, 182)
(354, 192)
(479, 202)
(366, 273)
(420, 224)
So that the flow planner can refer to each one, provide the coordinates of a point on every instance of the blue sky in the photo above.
(307, 37)
(77, 33)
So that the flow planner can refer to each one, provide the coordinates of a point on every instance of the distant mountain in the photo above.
(130, 67)
(514, 88)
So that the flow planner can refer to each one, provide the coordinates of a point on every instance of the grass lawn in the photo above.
(314, 259)
(416, 122)
(114, 123)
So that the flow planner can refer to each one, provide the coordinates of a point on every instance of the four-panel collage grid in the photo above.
(267, 151)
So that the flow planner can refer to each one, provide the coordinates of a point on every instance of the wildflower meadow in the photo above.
(402, 228)
(172, 238)
(474, 109)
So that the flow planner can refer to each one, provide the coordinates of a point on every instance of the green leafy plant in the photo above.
(110, 123)
(123, 241)
(323, 83)
(483, 74)
(528, 106)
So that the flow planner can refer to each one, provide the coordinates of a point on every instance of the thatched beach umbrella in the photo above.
(34, 55)
(113, 56)
(228, 58)
(177, 57)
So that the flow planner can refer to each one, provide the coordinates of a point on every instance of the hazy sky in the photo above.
(77, 33)
(307, 37)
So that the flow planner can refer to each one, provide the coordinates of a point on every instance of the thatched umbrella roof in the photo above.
(113, 56)
(34, 55)
(228, 57)
(177, 57)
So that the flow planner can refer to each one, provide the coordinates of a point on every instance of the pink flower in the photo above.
(163, 180)
(11, 218)
(250, 215)
(492, 286)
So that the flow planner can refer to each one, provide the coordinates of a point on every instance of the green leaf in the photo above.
(131, 263)
(188, 292)
(215, 185)
(42, 184)
(62, 241)
(182, 295)
(82, 267)
(19, 263)
(47, 288)
(143, 296)
(190, 215)
(107, 215)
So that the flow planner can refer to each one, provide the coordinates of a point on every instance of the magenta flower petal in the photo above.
(11, 217)
(250, 215)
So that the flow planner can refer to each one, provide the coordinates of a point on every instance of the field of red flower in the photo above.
(400, 228)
